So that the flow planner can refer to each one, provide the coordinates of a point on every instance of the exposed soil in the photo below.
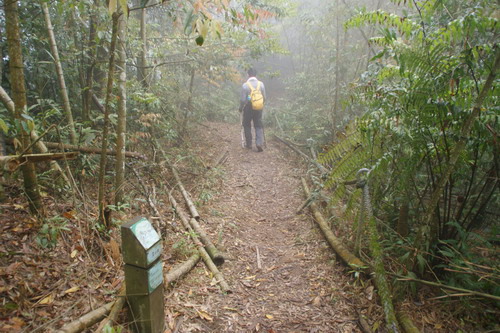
(300, 287)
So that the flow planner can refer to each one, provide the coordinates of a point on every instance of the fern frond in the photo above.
(404, 25)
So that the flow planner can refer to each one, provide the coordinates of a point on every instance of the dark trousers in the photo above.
(254, 116)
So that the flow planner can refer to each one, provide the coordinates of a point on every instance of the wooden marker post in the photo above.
(141, 247)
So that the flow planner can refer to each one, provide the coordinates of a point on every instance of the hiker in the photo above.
(253, 96)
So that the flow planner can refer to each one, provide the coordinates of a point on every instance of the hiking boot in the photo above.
(259, 149)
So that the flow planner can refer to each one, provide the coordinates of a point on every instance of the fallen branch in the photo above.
(350, 259)
(182, 269)
(12, 162)
(87, 320)
(443, 286)
(203, 253)
(312, 161)
(185, 194)
(115, 310)
(92, 150)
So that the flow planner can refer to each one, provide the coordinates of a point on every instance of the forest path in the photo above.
(301, 286)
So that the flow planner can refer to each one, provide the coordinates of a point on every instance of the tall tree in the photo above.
(121, 127)
(16, 67)
(60, 74)
(103, 219)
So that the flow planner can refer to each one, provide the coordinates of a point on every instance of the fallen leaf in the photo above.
(369, 292)
(47, 300)
(74, 253)
(317, 301)
(205, 315)
(268, 316)
(71, 290)
(69, 214)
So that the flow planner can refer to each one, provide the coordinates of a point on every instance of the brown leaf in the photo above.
(205, 315)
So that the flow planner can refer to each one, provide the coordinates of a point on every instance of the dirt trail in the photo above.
(301, 287)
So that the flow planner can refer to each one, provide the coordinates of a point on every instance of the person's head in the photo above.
(252, 72)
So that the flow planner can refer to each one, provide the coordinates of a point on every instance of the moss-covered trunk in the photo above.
(16, 67)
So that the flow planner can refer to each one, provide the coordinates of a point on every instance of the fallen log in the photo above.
(203, 253)
(216, 256)
(185, 194)
(115, 310)
(312, 161)
(87, 320)
(92, 150)
(406, 323)
(12, 162)
(350, 259)
(182, 269)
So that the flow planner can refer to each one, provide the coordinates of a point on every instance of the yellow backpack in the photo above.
(256, 97)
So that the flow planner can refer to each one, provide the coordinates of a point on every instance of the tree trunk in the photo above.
(121, 127)
(60, 74)
(89, 79)
(142, 72)
(107, 106)
(16, 67)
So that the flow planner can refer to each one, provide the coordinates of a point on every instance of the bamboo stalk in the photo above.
(350, 259)
(182, 269)
(87, 320)
(440, 285)
(185, 194)
(216, 256)
(406, 323)
(203, 253)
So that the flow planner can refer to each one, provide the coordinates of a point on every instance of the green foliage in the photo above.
(417, 93)
(50, 230)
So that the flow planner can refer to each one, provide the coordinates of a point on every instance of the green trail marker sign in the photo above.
(141, 247)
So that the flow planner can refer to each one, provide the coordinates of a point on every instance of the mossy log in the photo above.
(379, 273)
(182, 269)
(203, 253)
(350, 259)
(87, 320)
(406, 323)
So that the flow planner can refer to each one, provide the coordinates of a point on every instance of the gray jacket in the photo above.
(245, 91)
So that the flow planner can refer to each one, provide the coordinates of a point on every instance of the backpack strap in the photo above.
(252, 88)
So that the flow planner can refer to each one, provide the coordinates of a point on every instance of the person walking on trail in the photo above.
(252, 99)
